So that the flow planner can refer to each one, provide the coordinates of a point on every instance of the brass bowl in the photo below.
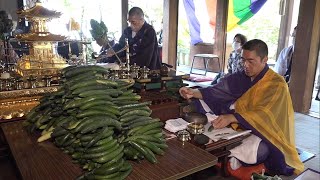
(195, 117)
(183, 135)
(195, 128)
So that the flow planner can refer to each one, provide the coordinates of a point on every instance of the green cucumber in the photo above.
(136, 112)
(104, 135)
(130, 118)
(101, 135)
(82, 125)
(162, 145)
(144, 137)
(127, 98)
(145, 108)
(145, 151)
(99, 103)
(107, 108)
(136, 120)
(59, 131)
(142, 123)
(109, 170)
(89, 88)
(110, 156)
(136, 105)
(111, 92)
(82, 69)
(151, 146)
(82, 101)
(141, 130)
(94, 112)
(103, 141)
(149, 127)
(98, 122)
(107, 82)
(104, 147)
(153, 131)
(101, 153)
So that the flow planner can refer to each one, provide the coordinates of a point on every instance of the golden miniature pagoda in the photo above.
(40, 63)
(41, 59)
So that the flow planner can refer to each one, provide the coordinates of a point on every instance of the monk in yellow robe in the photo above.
(261, 102)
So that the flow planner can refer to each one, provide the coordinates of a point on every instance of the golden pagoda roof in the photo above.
(40, 37)
(38, 11)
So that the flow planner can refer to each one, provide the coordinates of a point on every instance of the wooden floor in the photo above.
(8, 170)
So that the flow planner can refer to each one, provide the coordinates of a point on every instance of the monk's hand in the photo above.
(223, 121)
(186, 92)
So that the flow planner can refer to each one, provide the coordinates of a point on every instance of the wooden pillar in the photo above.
(219, 47)
(124, 14)
(285, 26)
(305, 55)
(170, 31)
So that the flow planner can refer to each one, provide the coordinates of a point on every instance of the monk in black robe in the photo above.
(142, 40)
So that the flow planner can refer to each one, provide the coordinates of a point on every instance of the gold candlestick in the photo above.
(127, 55)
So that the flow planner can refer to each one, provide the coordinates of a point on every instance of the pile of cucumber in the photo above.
(99, 122)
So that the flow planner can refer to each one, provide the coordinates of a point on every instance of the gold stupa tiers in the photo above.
(41, 62)
(41, 59)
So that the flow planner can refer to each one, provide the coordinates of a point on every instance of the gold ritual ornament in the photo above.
(41, 61)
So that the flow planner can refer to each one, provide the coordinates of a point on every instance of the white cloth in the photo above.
(281, 65)
(234, 163)
(133, 34)
(211, 117)
(248, 150)
(205, 106)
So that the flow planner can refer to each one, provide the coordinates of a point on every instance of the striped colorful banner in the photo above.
(241, 10)
(201, 15)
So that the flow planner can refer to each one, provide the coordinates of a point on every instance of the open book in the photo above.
(223, 133)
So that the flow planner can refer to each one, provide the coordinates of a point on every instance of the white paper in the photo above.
(236, 134)
(223, 133)
(174, 125)
(217, 134)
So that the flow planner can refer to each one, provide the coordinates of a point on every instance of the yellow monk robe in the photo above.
(267, 107)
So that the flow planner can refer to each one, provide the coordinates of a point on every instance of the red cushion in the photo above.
(244, 173)
(199, 78)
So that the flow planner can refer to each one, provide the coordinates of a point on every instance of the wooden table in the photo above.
(45, 161)
(221, 150)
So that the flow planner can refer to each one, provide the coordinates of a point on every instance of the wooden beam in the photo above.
(124, 14)
(285, 25)
(305, 55)
(170, 31)
(219, 47)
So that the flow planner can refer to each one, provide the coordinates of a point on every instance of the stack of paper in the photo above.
(174, 125)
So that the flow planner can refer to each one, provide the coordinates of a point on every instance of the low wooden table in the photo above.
(221, 150)
(45, 161)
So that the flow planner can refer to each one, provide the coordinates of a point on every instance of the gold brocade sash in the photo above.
(267, 107)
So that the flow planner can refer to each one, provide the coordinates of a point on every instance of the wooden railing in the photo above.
(183, 58)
